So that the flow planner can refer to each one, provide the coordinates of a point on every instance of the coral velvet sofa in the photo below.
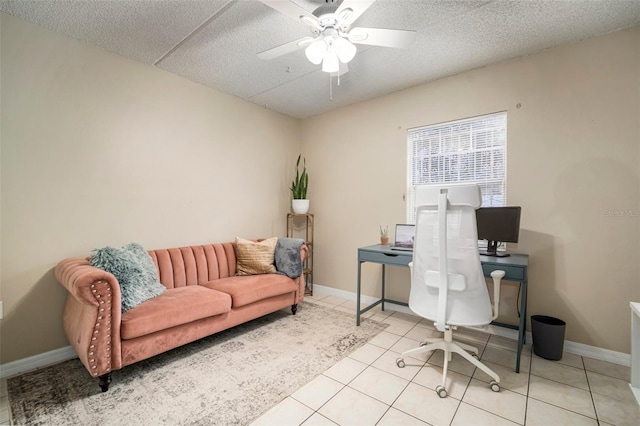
(203, 297)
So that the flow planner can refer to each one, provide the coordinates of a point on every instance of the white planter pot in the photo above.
(300, 206)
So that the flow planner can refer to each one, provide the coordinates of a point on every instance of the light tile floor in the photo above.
(367, 388)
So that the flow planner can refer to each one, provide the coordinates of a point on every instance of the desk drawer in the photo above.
(513, 273)
(401, 259)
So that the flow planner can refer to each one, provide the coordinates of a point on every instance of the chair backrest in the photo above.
(447, 283)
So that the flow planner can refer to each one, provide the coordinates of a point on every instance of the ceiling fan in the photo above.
(332, 43)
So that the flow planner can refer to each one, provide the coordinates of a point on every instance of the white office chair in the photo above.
(447, 283)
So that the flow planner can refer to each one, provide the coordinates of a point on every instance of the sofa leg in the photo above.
(104, 381)
(294, 309)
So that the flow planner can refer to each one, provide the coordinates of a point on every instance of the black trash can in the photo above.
(548, 336)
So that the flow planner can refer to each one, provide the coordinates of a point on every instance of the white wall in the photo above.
(99, 150)
(572, 161)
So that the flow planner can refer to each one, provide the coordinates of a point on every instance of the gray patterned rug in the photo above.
(228, 378)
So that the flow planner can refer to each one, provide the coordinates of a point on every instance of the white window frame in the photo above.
(470, 150)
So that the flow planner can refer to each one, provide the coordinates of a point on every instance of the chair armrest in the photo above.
(497, 275)
(92, 314)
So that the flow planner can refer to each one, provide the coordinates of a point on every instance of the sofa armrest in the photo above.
(92, 314)
(304, 252)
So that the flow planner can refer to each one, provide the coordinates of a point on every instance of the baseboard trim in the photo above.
(594, 352)
(31, 363)
(598, 353)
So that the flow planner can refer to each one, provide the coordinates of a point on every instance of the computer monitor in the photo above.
(498, 225)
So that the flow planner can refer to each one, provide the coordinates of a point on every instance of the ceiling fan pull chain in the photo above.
(330, 88)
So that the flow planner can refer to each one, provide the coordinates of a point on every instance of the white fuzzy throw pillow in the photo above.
(133, 268)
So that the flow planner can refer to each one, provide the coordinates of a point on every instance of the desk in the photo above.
(514, 266)
(635, 350)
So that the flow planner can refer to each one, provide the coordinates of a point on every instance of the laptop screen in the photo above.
(404, 235)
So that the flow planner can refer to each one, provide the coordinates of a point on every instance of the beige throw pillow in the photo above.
(255, 258)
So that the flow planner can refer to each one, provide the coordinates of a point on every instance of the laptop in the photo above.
(403, 238)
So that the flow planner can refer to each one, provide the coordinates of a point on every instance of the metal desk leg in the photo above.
(358, 295)
(522, 328)
(383, 274)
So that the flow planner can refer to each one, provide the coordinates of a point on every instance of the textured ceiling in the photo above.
(215, 42)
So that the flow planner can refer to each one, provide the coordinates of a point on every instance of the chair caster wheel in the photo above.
(400, 362)
(475, 355)
(441, 391)
(495, 386)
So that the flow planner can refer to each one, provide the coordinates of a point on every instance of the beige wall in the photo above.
(572, 161)
(99, 150)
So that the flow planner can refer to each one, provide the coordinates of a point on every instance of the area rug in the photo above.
(230, 378)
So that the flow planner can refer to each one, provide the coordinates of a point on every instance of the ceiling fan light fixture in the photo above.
(316, 51)
(344, 49)
(330, 63)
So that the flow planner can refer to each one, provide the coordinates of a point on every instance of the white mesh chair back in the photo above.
(465, 300)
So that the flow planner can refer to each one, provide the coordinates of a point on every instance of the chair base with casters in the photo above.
(449, 347)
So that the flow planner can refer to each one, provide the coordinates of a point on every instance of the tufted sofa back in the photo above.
(183, 266)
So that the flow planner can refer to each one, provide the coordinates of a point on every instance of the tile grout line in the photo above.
(409, 381)
(593, 401)
(526, 401)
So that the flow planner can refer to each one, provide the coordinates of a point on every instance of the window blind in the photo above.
(471, 150)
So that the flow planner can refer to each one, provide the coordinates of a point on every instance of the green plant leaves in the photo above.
(301, 182)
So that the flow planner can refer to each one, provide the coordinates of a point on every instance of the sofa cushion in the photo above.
(134, 270)
(255, 257)
(174, 307)
(252, 288)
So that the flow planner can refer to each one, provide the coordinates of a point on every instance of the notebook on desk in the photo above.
(403, 238)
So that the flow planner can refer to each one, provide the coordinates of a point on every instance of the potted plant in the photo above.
(300, 203)
(384, 235)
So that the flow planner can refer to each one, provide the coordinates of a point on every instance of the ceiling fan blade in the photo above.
(357, 6)
(382, 37)
(283, 49)
(293, 11)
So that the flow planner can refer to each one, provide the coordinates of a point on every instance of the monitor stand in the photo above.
(492, 250)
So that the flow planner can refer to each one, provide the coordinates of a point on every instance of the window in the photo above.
(469, 150)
